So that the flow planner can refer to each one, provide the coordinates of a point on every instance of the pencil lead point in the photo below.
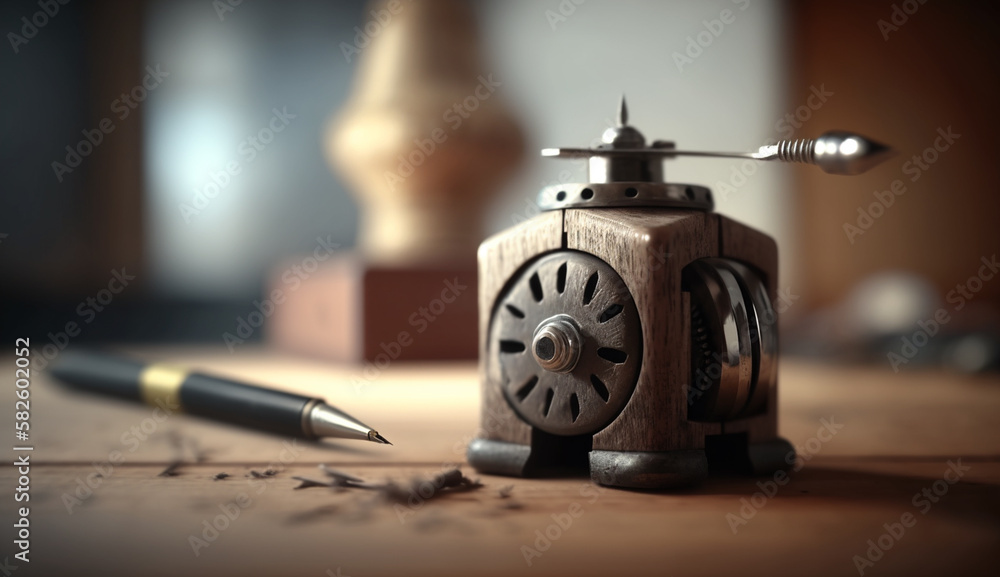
(374, 436)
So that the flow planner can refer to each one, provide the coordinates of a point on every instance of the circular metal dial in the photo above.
(734, 342)
(565, 343)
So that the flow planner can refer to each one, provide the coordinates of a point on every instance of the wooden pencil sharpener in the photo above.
(627, 329)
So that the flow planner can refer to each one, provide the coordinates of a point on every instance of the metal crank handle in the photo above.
(835, 152)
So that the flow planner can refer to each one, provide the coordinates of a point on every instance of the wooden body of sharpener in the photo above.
(653, 442)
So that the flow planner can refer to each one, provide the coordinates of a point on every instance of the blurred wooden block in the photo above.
(354, 310)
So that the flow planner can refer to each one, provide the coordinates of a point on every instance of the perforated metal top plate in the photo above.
(626, 195)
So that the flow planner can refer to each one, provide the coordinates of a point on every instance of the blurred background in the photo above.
(867, 262)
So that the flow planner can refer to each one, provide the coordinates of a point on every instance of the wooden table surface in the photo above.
(889, 437)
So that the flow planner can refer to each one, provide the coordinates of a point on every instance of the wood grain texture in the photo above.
(649, 248)
(500, 257)
(138, 523)
(897, 432)
(431, 410)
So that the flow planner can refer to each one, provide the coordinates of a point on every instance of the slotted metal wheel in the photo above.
(565, 343)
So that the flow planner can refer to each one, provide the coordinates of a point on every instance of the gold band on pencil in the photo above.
(160, 385)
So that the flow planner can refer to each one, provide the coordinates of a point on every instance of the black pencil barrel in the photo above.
(204, 395)
(255, 407)
(100, 373)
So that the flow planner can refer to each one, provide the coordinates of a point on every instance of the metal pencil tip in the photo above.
(374, 436)
(622, 112)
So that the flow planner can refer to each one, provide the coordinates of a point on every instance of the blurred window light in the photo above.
(235, 172)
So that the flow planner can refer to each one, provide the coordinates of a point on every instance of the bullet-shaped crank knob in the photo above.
(835, 152)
